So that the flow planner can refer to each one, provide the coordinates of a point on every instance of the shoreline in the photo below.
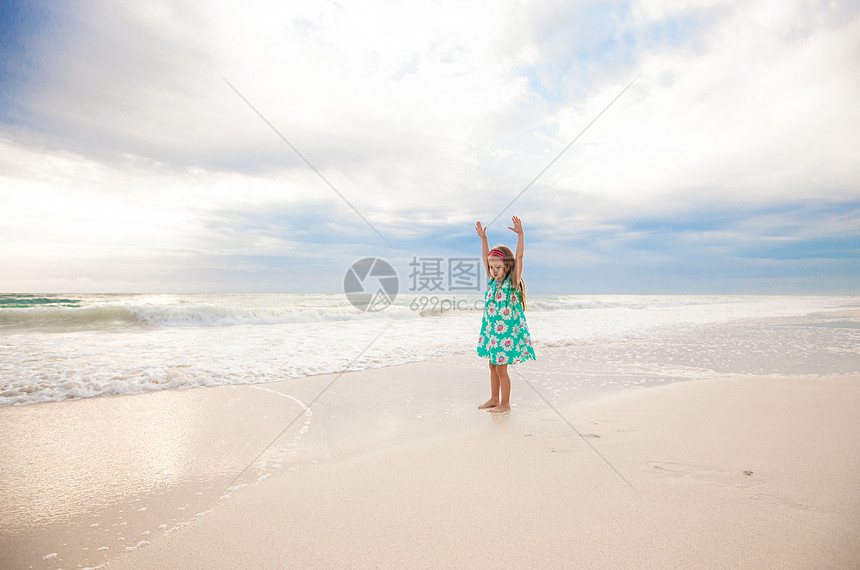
(54, 361)
(108, 479)
(683, 447)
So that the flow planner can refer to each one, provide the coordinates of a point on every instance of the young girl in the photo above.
(504, 334)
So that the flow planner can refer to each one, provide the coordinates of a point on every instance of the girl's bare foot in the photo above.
(491, 403)
(500, 408)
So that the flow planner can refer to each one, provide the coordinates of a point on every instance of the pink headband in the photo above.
(498, 253)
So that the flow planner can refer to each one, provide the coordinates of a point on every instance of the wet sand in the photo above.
(744, 473)
(729, 472)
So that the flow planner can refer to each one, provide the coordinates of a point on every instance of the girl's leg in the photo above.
(495, 384)
(504, 389)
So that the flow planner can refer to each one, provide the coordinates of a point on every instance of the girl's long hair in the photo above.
(510, 264)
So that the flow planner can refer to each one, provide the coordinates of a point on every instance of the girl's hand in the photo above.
(482, 231)
(518, 226)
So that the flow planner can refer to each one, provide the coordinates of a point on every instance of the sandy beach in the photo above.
(263, 271)
(741, 472)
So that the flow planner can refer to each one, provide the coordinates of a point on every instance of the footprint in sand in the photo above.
(787, 503)
(706, 475)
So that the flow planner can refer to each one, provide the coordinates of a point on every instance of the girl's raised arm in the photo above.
(518, 229)
(485, 248)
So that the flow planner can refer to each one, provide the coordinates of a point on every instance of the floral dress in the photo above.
(504, 334)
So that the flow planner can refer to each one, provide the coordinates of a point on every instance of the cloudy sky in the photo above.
(128, 163)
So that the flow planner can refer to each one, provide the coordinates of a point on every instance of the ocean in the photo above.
(60, 347)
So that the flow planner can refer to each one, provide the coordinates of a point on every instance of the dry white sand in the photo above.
(725, 473)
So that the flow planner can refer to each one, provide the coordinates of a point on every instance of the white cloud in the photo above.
(762, 115)
(422, 114)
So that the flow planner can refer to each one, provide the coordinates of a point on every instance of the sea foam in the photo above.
(92, 345)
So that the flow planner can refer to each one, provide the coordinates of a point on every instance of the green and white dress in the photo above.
(504, 333)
